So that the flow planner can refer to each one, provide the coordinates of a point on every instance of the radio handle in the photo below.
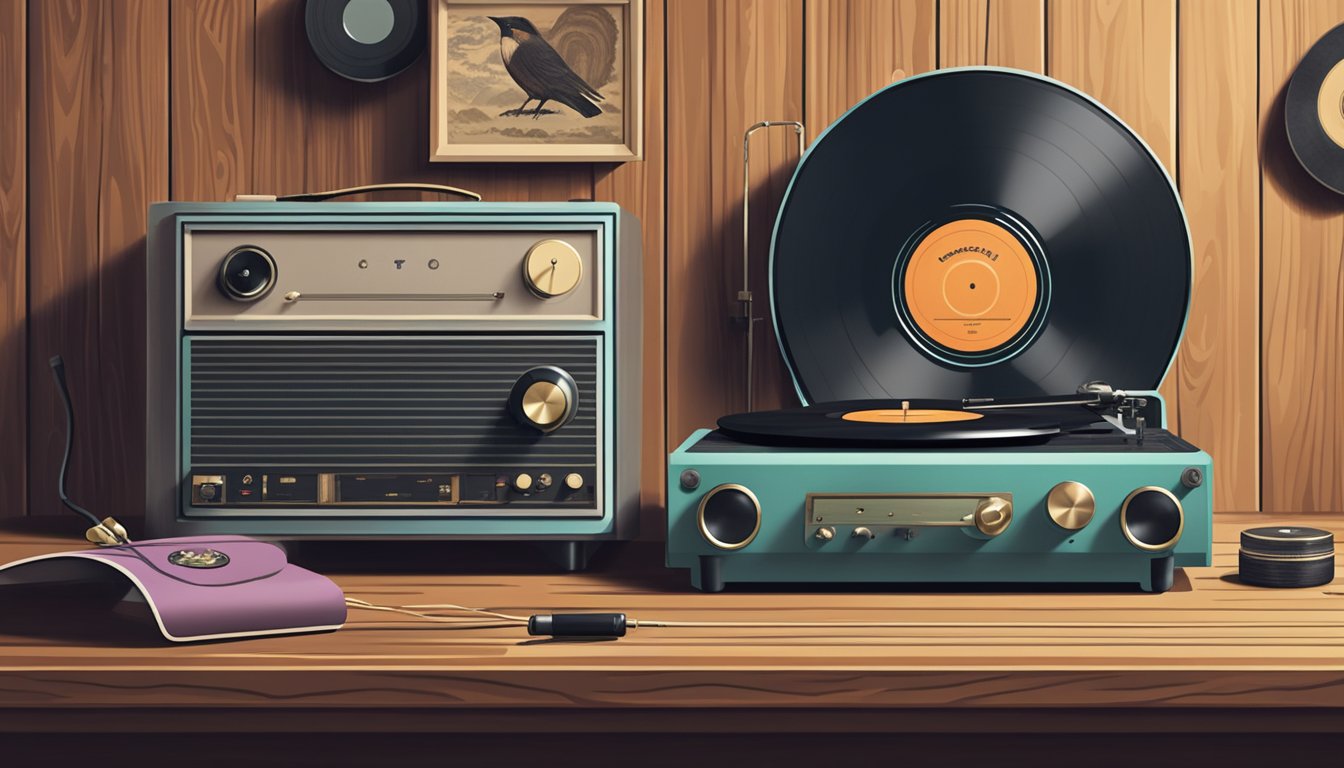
(314, 197)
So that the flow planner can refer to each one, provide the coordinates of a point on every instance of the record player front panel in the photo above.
(918, 524)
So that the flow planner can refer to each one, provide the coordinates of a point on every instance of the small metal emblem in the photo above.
(206, 558)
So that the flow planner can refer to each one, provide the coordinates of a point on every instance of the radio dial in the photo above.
(993, 515)
(247, 273)
(552, 268)
(544, 398)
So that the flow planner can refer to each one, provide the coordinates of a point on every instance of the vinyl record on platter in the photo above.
(978, 232)
(1313, 110)
(366, 40)
(897, 423)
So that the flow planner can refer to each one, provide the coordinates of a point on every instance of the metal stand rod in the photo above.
(744, 296)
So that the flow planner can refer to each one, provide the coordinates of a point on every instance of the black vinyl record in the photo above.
(978, 232)
(366, 40)
(899, 423)
(1313, 110)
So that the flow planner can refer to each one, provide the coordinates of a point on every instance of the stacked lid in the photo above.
(1287, 556)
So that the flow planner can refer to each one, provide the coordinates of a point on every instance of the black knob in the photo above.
(1152, 518)
(247, 273)
(544, 398)
(729, 516)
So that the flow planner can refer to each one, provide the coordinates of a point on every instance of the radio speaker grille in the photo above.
(360, 402)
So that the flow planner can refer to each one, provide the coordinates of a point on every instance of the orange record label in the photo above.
(909, 416)
(970, 285)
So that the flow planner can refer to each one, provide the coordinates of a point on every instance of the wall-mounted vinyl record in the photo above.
(978, 232)
(366, 40)
(1314, 110)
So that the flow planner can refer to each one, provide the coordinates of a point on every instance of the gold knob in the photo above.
(825, 533)
(1071, 505)
(545, 403)
(523, 482)
(552, 268)
(863, 532)
(573, 481)
(993, 515)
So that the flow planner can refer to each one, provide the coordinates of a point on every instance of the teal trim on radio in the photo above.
(617, 365)
(1033, 548)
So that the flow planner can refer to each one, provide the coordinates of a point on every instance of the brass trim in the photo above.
(700, 516)
(546, 403)
(1322, 537)
(1001, 507)
(1071, 505)
(326, 488)
(1285, 558)
(256, 295)
(1124, 520)
(555, 250)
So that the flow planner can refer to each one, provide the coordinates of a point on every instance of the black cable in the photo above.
(58, 371)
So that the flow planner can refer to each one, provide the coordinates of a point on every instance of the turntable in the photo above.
(979, 278)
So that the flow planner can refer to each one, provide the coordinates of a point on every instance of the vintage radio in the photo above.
(458, 370)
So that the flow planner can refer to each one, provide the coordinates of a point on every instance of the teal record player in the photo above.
(948, 296)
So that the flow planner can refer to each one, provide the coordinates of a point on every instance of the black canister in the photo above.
(1287, 556)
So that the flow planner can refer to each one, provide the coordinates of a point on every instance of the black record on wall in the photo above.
(1313, 110)
(978, 233)
(366, 40)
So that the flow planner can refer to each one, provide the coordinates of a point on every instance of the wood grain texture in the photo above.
(1218, 375)
(211, 47)
(1302, 296)
(98, 151)
(730, 65)
(640, 188)
(13, 257)
(1016, 34)
(855, 47)
(1123, 53)
(1211, 643)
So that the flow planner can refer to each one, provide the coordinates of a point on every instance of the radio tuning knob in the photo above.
(993, 515)
(573, 481)
(863, 532)
(825, 533)
(1071, 505)
(544, 398)
(552, 268)
(523, 482)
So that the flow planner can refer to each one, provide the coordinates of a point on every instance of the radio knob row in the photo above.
(525, 483)
(551, 268)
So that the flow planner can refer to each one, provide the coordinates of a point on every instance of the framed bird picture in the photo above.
(537, 81)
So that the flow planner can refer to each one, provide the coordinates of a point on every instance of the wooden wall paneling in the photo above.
(730, 64)
(1123, 53)
(639, 188)
(317, 130)
(1016, 34)
(13, 257)
(1302, 292)
(98, 153)
(211, 45)
(1219, 363)
(855, 47)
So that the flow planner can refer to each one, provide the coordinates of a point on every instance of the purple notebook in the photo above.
(202, 587)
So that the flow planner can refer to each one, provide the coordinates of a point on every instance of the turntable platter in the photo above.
(899, 423)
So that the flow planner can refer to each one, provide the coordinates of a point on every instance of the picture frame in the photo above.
(475, 98)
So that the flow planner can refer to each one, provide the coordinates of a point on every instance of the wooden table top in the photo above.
(1209, 643)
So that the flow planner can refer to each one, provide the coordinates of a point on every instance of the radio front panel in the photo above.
(374, 370)
(296, 426)
(297, 276)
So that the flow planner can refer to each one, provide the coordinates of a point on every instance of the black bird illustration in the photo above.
(539, 70)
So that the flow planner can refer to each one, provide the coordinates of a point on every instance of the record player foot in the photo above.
(711, 573)
(568, 556)
(1163, 574)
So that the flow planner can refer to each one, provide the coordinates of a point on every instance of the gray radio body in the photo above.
(352, 370)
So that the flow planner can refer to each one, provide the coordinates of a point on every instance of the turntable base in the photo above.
(1083, 507)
